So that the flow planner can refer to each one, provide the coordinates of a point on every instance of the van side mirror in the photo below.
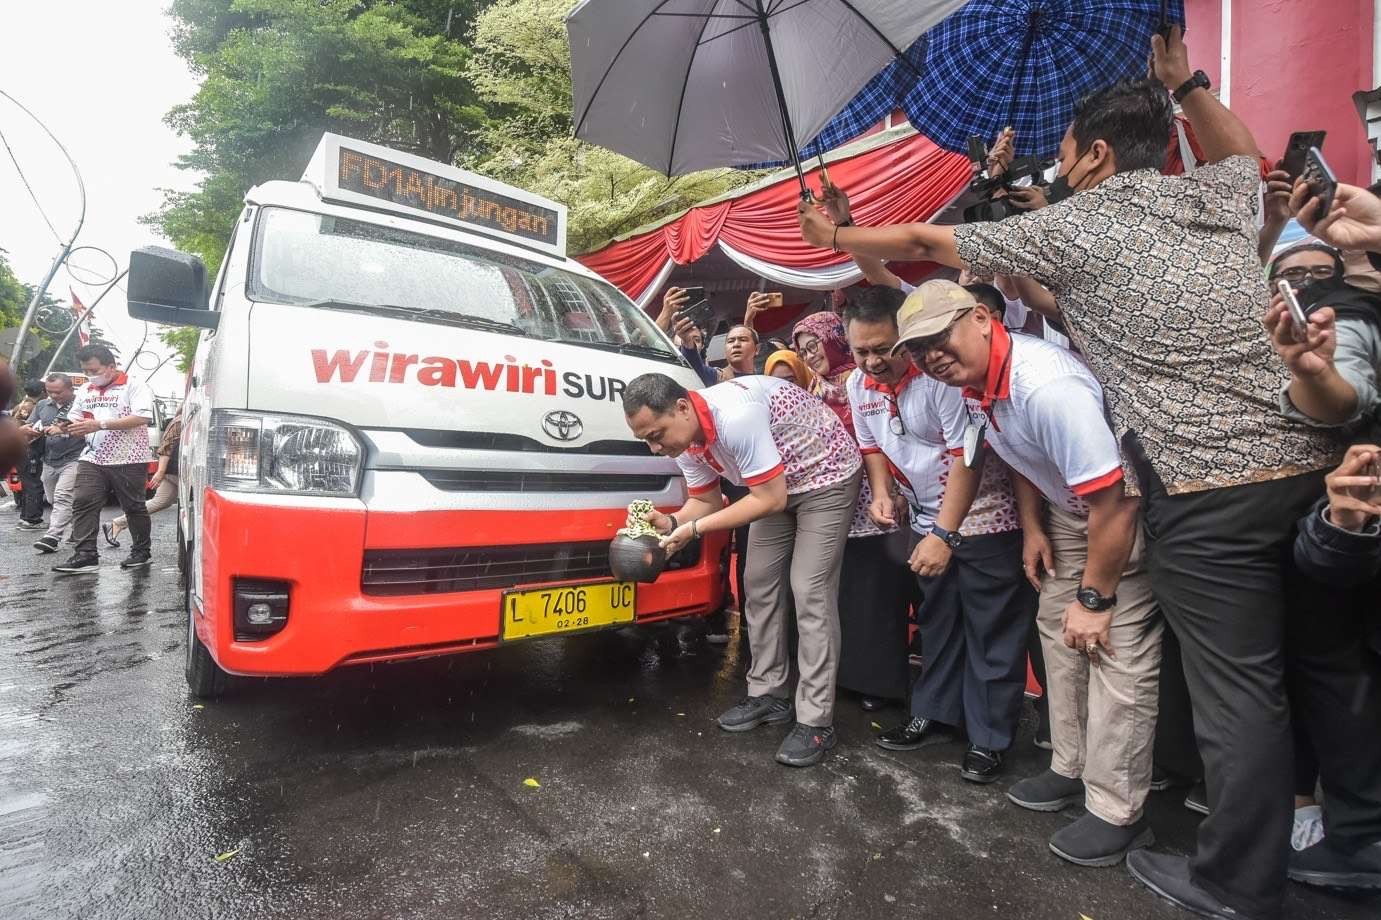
(169, 287)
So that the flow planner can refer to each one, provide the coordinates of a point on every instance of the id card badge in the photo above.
(973, 443)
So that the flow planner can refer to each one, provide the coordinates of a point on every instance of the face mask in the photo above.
(1313, 292)
(101, 380)
(1061, 188)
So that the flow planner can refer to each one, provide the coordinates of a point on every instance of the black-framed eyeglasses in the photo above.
(1299, 273)
(894, 422)
(919, 347)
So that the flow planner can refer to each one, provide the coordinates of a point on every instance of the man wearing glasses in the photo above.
(1041, 410)
(978, 608)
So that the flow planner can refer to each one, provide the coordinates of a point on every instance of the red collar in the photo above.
(891, 389)
(120, 380)
(998, 384)
(705, 417)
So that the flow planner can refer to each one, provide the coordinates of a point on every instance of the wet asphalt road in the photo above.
(398, 791)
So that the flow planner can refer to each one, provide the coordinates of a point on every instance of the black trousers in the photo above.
(88, 497)
(974, 626)
(1333, 670)
(874, 600)
(31, 501)
(1220, 564)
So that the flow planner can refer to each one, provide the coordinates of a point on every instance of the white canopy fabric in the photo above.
(684, 85)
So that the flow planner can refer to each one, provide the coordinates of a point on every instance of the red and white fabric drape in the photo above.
(908, 180)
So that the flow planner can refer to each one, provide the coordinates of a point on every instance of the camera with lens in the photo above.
(1025, 172)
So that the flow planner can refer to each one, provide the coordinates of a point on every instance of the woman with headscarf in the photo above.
(875, 583)
(787, 365)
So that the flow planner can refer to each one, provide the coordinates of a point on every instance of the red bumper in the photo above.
(331, 621)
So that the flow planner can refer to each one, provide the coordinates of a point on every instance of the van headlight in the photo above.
(260, 452)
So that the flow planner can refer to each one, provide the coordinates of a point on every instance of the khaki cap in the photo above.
(930, 309)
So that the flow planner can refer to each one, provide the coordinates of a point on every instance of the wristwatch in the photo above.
(1093, 599)
(952, 539)
(1200, 79)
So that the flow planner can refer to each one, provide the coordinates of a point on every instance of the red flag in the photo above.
(77, 311)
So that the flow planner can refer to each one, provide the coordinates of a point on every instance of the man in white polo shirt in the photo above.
(1041, 410)
(978, 607)
(112, 412)
(803, 473)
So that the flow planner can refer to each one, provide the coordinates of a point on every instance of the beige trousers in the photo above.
(1103, 714)
(796, 555)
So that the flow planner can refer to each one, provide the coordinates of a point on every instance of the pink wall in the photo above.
(1295, 66)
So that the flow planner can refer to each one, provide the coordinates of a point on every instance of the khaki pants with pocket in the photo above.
(1103, 713)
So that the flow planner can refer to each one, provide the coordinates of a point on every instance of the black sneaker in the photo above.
(137, 561)
(805, 745)
(1331, 866)
(981, 765)
(752, 711)
(46, 544)
(1197, 800)
(916, 734)
(1048, 791)
(1169, 877)
(79, 565)
(1091, 841)
(1160, 780)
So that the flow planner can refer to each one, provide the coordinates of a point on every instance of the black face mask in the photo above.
(1061, 188)
(1312, 293)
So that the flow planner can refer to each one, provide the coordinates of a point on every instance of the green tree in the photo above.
(278, 73)
(14, 296)
(521, 70)
(182, 340)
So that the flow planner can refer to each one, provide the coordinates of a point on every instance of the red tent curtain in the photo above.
(905, 181)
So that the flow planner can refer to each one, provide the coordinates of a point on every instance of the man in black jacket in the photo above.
(1339, 547)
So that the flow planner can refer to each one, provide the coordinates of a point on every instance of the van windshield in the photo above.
(305, 258)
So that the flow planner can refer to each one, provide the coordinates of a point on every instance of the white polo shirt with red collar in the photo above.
(120, 398)
(919, 456)
(1043, 412)
(758, 428)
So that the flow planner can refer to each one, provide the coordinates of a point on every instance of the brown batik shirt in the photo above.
(1159, 284)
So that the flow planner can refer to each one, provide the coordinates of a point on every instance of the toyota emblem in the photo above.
(562, 425)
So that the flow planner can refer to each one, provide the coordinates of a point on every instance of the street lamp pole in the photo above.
(42, 289)
(81, 319)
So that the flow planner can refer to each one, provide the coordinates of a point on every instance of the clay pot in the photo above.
(636, 558)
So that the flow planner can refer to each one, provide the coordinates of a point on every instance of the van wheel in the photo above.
(204, 677)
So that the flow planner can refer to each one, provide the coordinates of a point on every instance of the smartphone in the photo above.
(978, 150)
(1321, 180)
(697, 308)
(1297, 315)
(1297, 148)
(774, 299)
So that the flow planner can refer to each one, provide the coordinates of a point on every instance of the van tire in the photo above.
(204, 677)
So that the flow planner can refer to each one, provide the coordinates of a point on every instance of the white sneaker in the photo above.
(1308, 827)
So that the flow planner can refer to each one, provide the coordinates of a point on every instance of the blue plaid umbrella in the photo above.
(995, 63)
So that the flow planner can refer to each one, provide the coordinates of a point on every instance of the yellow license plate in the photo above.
(574, 608)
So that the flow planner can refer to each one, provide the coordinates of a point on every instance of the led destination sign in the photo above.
(400, 184)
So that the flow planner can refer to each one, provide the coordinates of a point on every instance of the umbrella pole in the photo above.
(781, 100)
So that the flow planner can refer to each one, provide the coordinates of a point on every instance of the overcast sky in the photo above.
(101, 75)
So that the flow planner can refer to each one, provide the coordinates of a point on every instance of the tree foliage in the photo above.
(183, 341)
(278, 73)
(521, 70)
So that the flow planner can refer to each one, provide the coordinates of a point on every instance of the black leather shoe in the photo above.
(752, 711)
(1091, 841)
(1168, 876)
(1048, 791)
(804, 745)
(1197, 799)
(1328, 865)
(872, 703)
(916, 734)
(981, 765)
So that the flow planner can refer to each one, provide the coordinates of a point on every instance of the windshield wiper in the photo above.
(467, 320)
(628, 348)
